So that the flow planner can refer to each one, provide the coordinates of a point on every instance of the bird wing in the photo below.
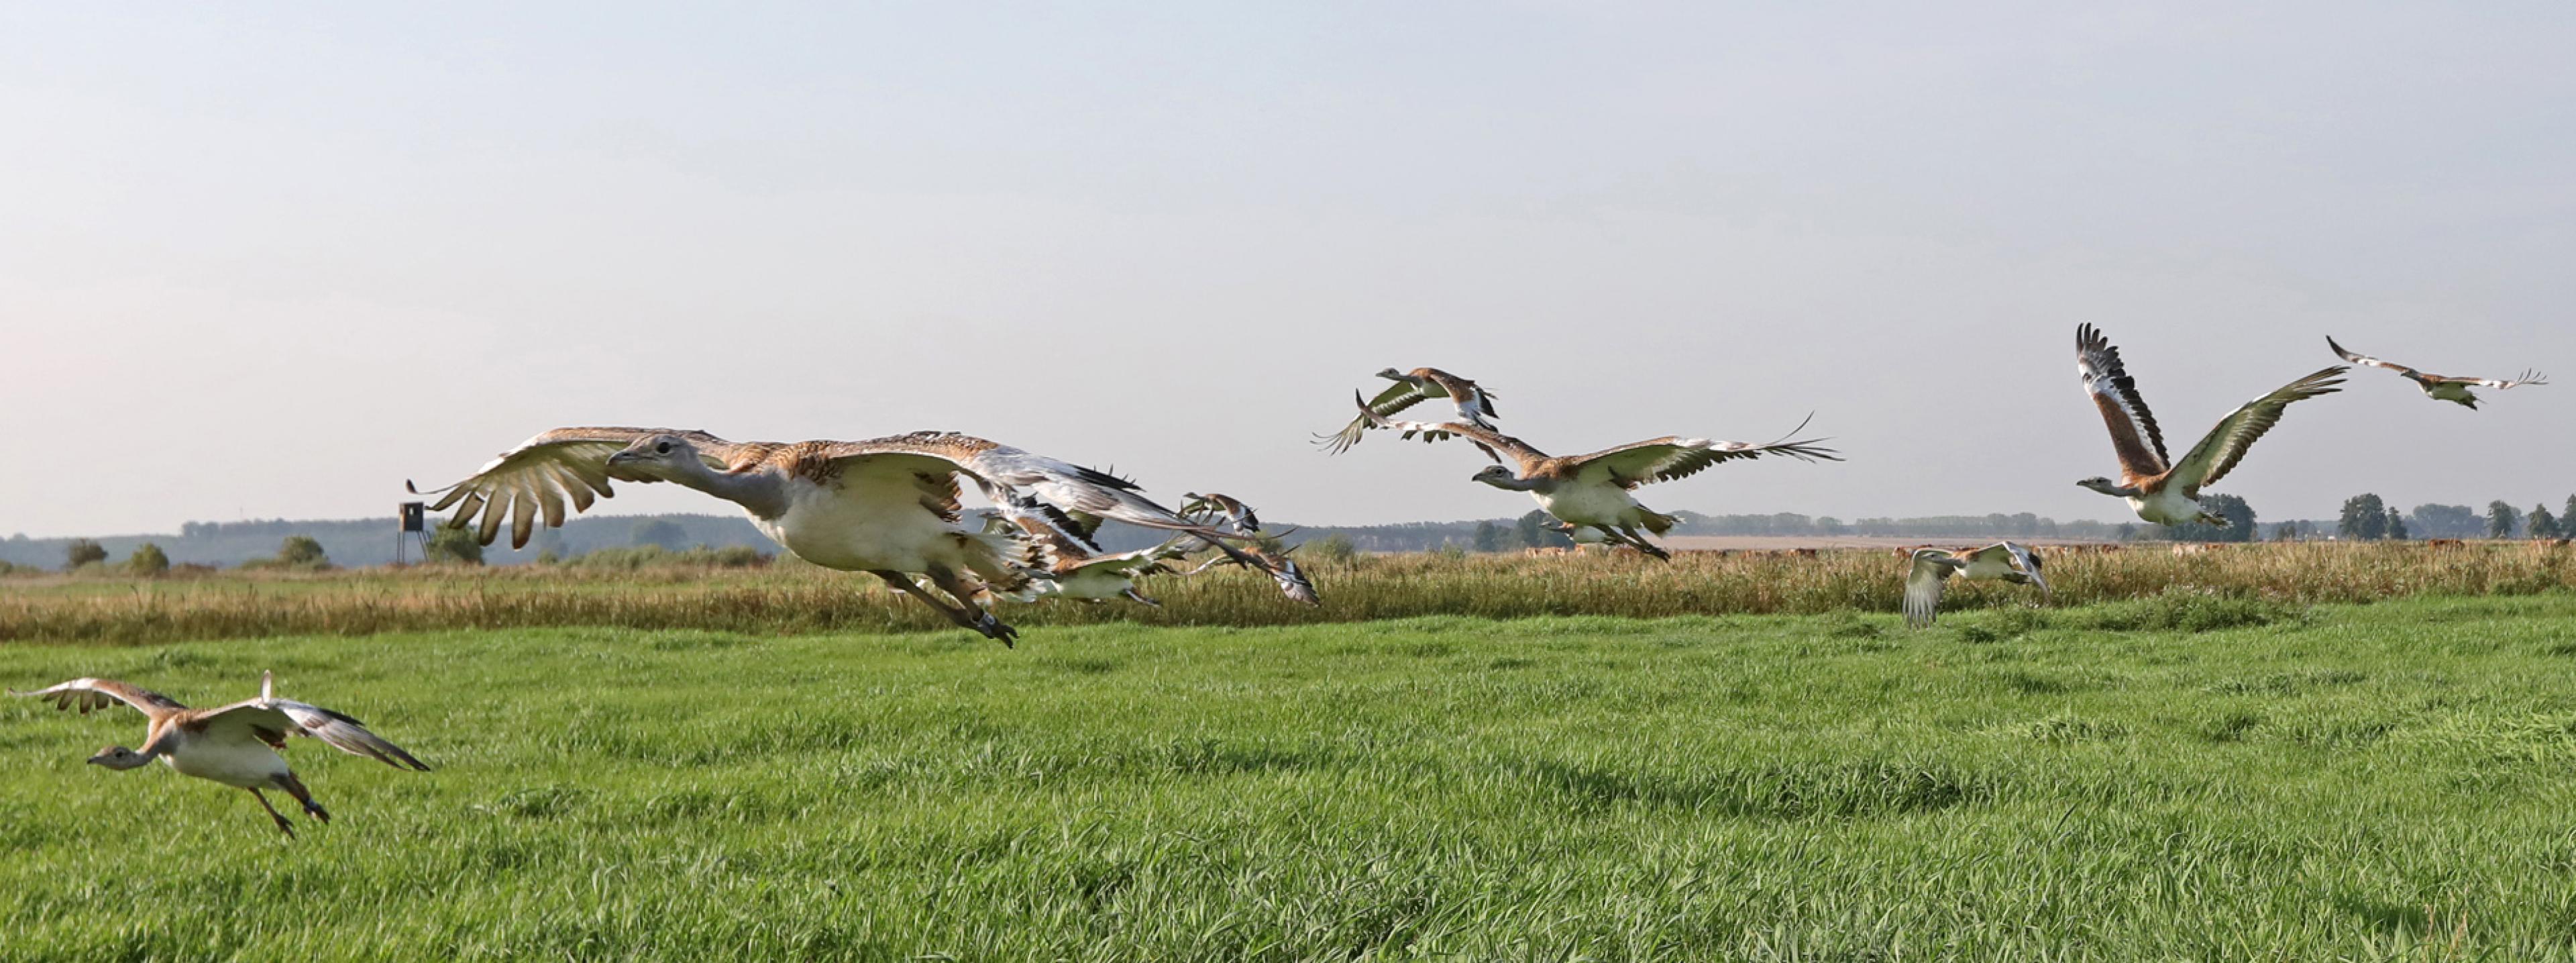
(1005, 473)
(1672, 457)
(1475, 404)
(1923, 585)
(537, 477)
(2225, 445)
(1231, 508)
(2370, 362)
(1493, 443)
(2134, 433)
(2029, 562)
(272, 720)
(1397, 397)
(90, 695)
(2526, 378)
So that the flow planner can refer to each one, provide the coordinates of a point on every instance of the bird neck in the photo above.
(760, 491)
(1512, 484)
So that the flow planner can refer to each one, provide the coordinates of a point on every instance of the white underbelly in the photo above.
(1590, 505)
(2449, 391)
(860, 535)
(2167, 507)
(1983, 570)
(1089, 584)
(243, 764)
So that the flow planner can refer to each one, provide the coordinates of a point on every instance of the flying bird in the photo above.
(2002, 561)
(1591, 491)
(2441, 387)
(2157, 488)
(235, 745)
(1475, 405)
(885, 506)
(1077, 568)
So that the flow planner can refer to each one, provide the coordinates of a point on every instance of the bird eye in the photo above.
(662, 449)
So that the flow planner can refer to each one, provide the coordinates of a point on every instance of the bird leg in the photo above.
(1134, 595)
(975, 617)
(1629, 534)
(282, 825)
(295, 787)
(905, 584)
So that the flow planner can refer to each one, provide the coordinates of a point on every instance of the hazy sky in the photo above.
(271, 260)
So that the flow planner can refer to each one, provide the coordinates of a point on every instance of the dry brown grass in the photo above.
(787, 599)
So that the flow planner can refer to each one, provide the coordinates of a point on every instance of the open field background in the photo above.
(2267, 781)
(798, 598)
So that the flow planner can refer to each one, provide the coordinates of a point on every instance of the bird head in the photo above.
(1391, 374)
(118, 757)
(652, 458)
(1493, 475)
(2099, 484)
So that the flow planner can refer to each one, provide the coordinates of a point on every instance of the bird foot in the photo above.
(995, 630)
(284, 827)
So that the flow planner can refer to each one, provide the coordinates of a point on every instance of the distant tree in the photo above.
(2502, 520)
(455, 545)
(2444, 521)
(1335, 547)
(1489, 537)
(2540, 524)
(2396, 526)
(148, 561)
(2365, 519)
(302, 551)
(1829, 525)
(2127, 532)
(662, 532)
(81, 552)
(2285, 532)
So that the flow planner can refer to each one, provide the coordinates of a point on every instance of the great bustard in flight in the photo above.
(235, 745)
(1591, 491)
(1475, 405)
(2002, 561)
(2442, 387)
(2157, 488)
(1077, 567)
(886, 506)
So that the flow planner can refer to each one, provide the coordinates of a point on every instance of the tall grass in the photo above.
(795, 598)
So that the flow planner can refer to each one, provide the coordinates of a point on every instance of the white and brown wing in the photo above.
(1673, 457)
(2525, 378)
(272, 720)
(534, 480)
(90, 695)
(2370, 362)
(2225, 445)
(1924, 583)
(2135, 437)
(1494, 444)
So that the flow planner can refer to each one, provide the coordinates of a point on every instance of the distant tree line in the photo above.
(2368, 518)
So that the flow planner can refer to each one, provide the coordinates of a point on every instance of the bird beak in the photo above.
(621, 458)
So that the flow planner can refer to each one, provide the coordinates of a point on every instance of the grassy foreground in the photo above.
(2389, 782)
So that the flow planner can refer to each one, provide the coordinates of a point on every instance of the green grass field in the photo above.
(2167, 778)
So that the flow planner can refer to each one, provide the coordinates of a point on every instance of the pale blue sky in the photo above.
(271, 261)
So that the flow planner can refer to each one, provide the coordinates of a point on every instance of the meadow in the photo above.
(2185, 775)
(797, 598)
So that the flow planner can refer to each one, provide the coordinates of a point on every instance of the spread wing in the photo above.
(1475, 404)
(1671, 457)
(90, 695)
(1924, 584)
(2134, 434)
(2526, 378)
(2019, 558)
(1493, 443)
(2368, 361)
(2225, 445)
(272, 720)
(536, 478)
(1396, 398)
